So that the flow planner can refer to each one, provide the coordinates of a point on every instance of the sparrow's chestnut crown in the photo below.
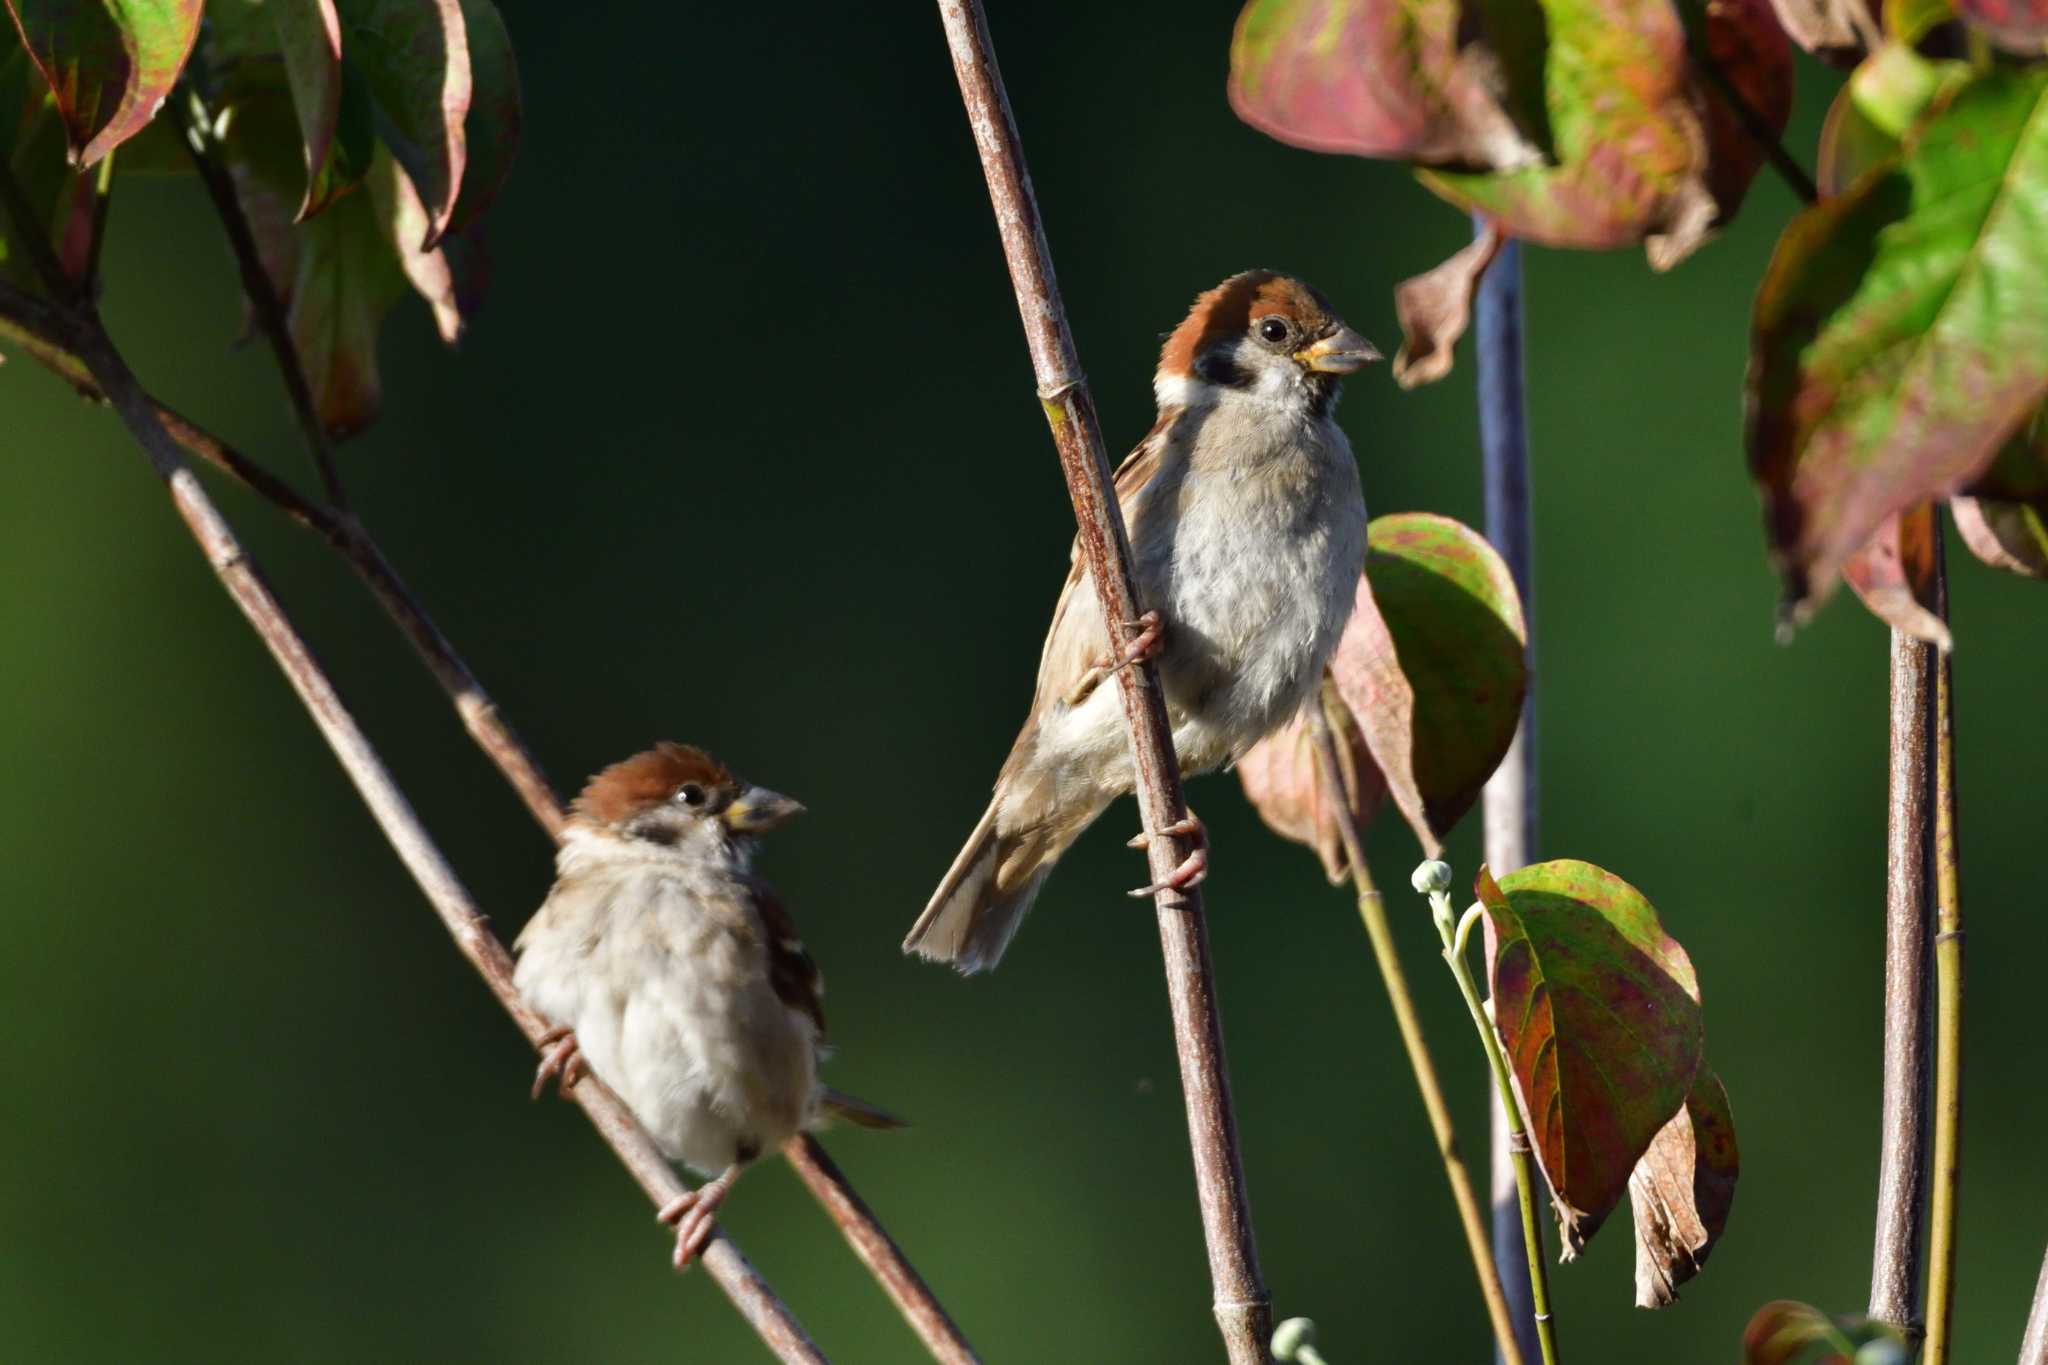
(652, 795)
(1281, 314)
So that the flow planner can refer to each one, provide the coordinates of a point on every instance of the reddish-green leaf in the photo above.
(1785, 1332)
(1381, 78)
(1281, 781)
(110, 63)
(496, 113)
(347, 281)
(413, 56)
(1901, 331)
(1432, 665)
(331, 99)
(2021, 25)
(1682, 1191)
(1598, 1012)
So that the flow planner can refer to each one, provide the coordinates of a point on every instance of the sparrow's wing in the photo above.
(1077, 638)
(792, 975)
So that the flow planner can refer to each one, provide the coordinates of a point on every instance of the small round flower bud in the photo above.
(1432, 877)
(1290, 1336)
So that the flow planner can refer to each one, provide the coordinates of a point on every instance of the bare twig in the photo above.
(195, 125)
(1510, 804)
(1372, 909)
(1948, 992)
(1896, 1267)
(2034, 1343)
(84, 337)
(1243, 1309)
(878, 1252)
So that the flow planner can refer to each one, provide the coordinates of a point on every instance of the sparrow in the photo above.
(1247, 531)
(674, 975)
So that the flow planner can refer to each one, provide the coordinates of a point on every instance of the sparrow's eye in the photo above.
(690, 794)
(1274, 330)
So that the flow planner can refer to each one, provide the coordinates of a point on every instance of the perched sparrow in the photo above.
(1247, 534)
(674, 974)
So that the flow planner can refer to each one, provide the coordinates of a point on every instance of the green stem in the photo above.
(1948, 996)
(1518, 1138)
(1373, 911)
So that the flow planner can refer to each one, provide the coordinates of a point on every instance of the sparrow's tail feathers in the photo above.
(857, 1111)
(976, 910)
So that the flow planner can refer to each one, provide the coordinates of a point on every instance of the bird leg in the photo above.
(690, 1214)
(1146, 644)
(1192, 869)
(561, 1059)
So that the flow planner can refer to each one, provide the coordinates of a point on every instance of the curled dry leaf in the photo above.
(2017, 25)
(1435, 307)
(110, 64)
(2003, 516)
(1893, 573)
(1901, 331)
(1837, 31)
(1281, 781)
(1682, 1190)
(1598, 1012)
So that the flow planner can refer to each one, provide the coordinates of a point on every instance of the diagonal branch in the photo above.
(1243, 1308)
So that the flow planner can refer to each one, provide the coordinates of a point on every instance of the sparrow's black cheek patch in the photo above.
(1224, 370)
(665, 835)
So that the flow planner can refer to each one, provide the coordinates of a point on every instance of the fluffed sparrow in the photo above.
(1247, 531)
(674, 974)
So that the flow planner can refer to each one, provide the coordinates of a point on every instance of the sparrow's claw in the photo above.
(562, 1061)
(693, 1215)
(1189, 824)
(1146, 644)
(1188, 875)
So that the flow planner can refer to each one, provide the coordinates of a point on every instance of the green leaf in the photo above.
(1598, 1012)
(1682, 1191)
(331, 100)
(1901, 331)
(347, 281)
(1381, 78)
(1432, 665)
(110, 63)
(496, 113)
(413, 56)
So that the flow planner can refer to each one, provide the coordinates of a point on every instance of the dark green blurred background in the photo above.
(744, 452)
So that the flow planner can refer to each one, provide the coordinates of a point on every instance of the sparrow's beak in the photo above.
(1341, 352)
(759, 809)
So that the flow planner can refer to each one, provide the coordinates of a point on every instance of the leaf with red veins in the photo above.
(1682, 1190)
(1598, 1013)
(110, 63)
(1281, 781)
(1432, 666)
(413, 56)
(2016, 25)
(1435, 307)
(1378, 78)
(1893, 574)
(1901, 331)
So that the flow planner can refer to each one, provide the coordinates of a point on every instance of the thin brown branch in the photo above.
(466, 924)
(879, 1252)
(195, 125)
(1243, 1308)
(1948, 1000)
(1372, 908)
(40, 326)
(1896, 1266)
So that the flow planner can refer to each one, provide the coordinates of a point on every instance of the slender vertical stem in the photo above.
(1510, 804)
(1372, 909)
(1948, 991)
(1520, 1156)
(1243, 1309)
(2034, 1343)
(1896, 1266)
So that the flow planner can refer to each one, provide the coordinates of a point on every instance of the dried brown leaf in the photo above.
(1682, 1190)
(1435, 307)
